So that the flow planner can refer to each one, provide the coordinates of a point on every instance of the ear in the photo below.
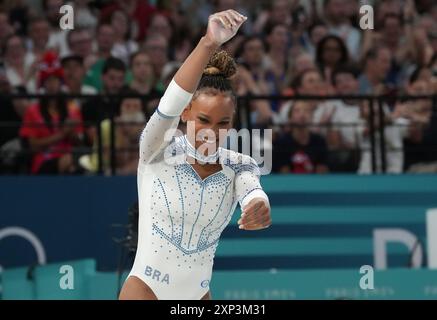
(186, 113)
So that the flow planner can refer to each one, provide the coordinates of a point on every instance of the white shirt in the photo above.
(345, 116)
(394, 135)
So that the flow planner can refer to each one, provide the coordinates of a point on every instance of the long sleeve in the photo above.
(155, 136)
(247, 183)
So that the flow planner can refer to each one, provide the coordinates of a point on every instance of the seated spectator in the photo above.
(300, 150)
(128, 127)
(80, 43)
(123, 46)
(37, 45)
(303, 62)
(331, 52)
(276, 60)
(394, 132)
(316, 32)
(143, 80)
(418, 144)
(19, 72)
(376, 67)
(337, 20)
(156, 47)
(105, 43)
(74, 73)
(52, 127)
(58, 37)
(278, 11)
(338, 120)
(84, 15)
(104, 107)
(138, 11)
(308, 82)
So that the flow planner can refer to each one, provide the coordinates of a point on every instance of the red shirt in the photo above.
(34, 126)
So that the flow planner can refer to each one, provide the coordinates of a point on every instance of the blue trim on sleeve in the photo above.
(164, 115)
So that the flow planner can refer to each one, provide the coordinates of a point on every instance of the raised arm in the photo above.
(222, 26)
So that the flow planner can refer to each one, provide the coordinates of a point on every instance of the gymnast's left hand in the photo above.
(255, 215)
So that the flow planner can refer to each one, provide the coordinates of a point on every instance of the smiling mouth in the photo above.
(209, 141)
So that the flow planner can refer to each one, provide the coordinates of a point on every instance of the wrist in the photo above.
(209, 43)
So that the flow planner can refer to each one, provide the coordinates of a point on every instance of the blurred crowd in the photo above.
(122, 54)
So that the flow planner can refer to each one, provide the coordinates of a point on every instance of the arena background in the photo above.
(354, 213)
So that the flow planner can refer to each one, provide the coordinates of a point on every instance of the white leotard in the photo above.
(181, 216)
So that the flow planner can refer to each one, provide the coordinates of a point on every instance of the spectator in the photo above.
(103, 107)
(276, 59)
(105, 43)
(156, 47)
(80, 43)
(123, 46)
(309, 82)
(19, 16)
(143, 80)
(315, 33)
(178, 41)
(142, 72)
(19, 71)
(376, 68)
(303, 62)
(58, 37)
(84, 15)
(278, 12)
(331, 53)
(338, 120)
(300, 150)
(138, 11)
(252, 55)
(39, 31)
(337, 20)
(128, 127)
(245, 84)
(417, 145)
(74, 73)
(53, 127)
(395, 131)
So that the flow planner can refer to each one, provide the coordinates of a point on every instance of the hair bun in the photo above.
(221, 63)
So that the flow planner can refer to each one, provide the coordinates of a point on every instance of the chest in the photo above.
(181, 190)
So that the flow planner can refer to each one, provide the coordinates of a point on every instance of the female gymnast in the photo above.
(185, 205)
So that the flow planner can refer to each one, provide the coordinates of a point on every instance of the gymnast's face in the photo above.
(209, 111)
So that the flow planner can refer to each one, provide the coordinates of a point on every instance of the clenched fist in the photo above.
(255, 215)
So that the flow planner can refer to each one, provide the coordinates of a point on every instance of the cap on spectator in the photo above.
(48, 67)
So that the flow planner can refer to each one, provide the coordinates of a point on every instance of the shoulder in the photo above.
(239, 162)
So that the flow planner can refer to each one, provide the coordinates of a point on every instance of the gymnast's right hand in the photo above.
(223, 25)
